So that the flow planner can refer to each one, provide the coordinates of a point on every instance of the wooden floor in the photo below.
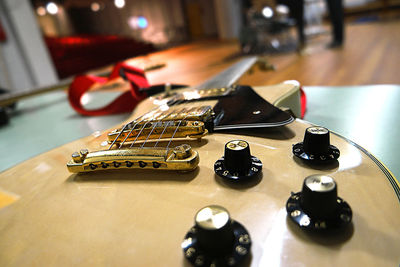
(370, 55)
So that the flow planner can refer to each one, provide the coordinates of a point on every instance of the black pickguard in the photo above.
(246, 109)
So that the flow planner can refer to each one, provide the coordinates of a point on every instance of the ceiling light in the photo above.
(139, 22)
(119, 3)
(267, 12)
(282, 9)
(41, 11)
(95, 6)
(52, 8)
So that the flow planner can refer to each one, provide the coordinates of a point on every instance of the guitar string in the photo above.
(180, 122)
(122, 130)
(147, 138)
(130, 132)
(159, 138)
(170, 140)
(184, 109)
(142, 131)
(178, 99)
(165, 127)
(137, 136)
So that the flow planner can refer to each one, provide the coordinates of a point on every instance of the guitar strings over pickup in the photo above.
(156, 125)
(158, 130)
(201, 113)
(201, 95)
(175, 122)
(181, 158)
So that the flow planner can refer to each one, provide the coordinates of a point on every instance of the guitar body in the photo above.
(140, 217)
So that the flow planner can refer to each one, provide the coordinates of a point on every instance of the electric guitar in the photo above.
(151, 192)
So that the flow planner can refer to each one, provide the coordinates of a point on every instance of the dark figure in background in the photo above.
(296, 9)
(336, 15)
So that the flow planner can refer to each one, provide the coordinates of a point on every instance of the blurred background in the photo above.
(43, 41)
(350, 75)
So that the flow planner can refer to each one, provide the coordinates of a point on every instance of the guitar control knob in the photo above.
(316, 147)
(237, 164)
(216, 239)
(317, 206)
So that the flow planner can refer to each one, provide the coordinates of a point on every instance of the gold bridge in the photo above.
(182, 158)
(175, 122)
(158, 130)
(155, 125)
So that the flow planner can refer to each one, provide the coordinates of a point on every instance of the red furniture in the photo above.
(77, 54)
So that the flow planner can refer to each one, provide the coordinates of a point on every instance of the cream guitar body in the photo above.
(140, 217)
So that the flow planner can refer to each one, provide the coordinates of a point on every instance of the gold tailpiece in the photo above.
(181, 158)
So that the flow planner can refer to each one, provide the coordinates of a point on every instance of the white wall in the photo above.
(25, 62)
(209, 17)
(229, 18)
(165, 20)
(56, 25)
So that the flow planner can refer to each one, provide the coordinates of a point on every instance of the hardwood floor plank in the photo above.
(370, 55)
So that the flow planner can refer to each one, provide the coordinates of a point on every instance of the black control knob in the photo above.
(237, 163)
(215, 233)
(319, 196)
(216, 239)
(316, 146)
(317, 206)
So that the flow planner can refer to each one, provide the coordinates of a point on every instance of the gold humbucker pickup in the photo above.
(201, 113)
(175, 122)
(206, 93)
(181, 158)
(158, 130)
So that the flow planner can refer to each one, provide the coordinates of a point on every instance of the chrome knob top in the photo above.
(317, 206)
(316, 147)
(216, 239)
(237, 164)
